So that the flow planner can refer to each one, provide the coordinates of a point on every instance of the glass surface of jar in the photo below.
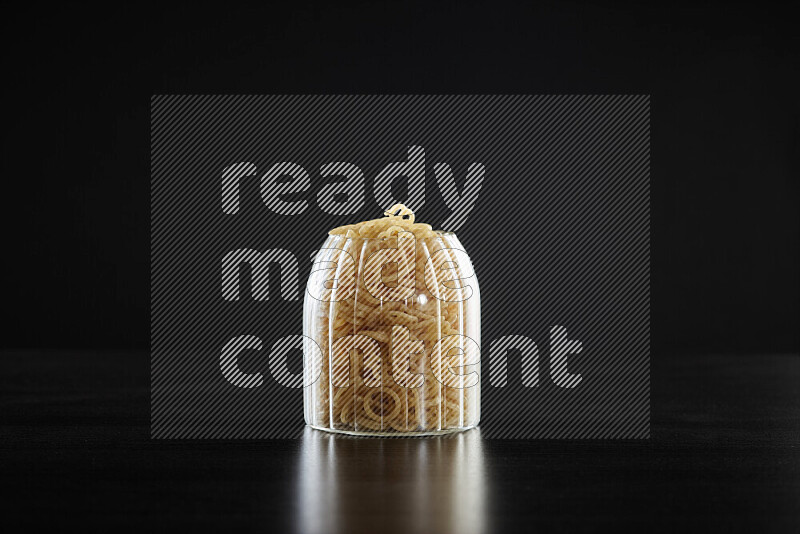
(393, 332)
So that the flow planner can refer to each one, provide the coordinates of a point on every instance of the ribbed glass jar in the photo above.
(393, 333)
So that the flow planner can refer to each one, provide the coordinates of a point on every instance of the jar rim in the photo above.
(439, 234)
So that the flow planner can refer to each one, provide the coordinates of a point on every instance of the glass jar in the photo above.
(392, 327)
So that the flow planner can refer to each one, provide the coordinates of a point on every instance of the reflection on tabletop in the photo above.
(350, 484)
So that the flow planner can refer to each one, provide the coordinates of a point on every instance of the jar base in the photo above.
(393, 433)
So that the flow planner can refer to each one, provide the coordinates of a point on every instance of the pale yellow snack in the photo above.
(432, 313)
(397, 218)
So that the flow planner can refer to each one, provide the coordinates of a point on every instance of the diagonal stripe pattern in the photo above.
(550, 196)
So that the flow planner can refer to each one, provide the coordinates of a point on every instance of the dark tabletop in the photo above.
(724, 455)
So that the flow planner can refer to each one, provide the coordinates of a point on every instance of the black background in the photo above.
(725, 130)
(75, 212)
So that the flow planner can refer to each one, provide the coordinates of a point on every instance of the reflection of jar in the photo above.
(396, 322)
(392, 485)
